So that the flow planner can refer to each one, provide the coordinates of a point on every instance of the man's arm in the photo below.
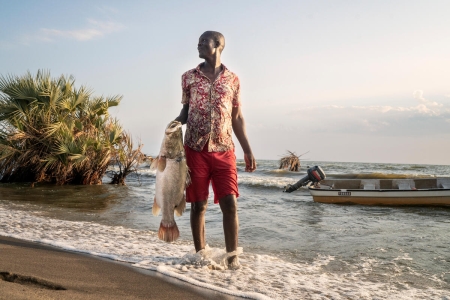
(183, 114)
(238, 124)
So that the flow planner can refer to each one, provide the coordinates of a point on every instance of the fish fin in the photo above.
(154, 163)
(181, 207)
(161, 164)
(168, 233)
(155, 209)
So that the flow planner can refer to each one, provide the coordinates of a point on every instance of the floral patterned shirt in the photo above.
(210, 107)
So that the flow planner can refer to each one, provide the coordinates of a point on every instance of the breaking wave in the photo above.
(261, 276)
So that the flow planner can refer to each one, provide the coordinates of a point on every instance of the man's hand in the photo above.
(250, 163)
(238, 123)
(183, 114)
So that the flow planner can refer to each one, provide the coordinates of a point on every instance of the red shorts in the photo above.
(216, 167)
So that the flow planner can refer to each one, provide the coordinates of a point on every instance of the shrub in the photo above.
(290, 161)
(51, 131)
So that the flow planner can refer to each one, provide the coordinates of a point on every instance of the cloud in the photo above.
(421, 116)
(418, 95)
(381, 109)
(94, 29)
(425, 107)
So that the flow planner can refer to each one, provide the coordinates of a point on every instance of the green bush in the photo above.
(51, 131)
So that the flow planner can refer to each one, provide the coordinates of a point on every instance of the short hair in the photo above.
(217, 37)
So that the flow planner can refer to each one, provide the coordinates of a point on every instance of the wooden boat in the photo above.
(420, 191)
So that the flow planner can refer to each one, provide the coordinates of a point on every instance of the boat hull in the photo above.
(382, 197)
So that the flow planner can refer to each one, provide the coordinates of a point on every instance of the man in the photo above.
(211, 110)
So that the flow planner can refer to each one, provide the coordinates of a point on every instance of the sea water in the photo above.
(292, 247)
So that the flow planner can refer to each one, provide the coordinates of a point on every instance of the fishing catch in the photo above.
(171, 180)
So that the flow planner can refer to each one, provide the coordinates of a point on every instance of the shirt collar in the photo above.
(224, 70)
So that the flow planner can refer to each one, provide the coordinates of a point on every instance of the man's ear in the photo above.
(217, 44)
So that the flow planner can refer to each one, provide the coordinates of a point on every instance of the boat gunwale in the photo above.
(377, 190)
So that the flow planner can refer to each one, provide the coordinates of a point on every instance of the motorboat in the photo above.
(401, 191)
(417, 191)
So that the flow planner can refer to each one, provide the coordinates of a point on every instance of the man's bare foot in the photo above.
(233, 263)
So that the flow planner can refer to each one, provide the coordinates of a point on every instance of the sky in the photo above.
(350, 81)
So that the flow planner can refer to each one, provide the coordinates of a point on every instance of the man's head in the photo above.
(210, 43)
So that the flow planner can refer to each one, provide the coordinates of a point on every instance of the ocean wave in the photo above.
(413, 167)
(261, 276)
(281, 178)
(251, 179)
(268, 177)
(265, 181)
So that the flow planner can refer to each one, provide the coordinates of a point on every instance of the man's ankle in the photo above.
(233, 263)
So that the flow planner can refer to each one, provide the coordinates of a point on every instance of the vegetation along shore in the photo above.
(51, 131)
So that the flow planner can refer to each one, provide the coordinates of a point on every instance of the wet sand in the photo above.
(35, 271)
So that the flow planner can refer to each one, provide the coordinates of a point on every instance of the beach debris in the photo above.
(172, 179)
(291, 161)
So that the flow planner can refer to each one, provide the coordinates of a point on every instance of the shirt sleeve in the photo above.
(237, 93)
(185, 89)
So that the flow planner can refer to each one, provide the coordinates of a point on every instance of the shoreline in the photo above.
(41, 271)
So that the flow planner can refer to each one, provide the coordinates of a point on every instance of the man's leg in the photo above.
(198, 210)
(228, 205)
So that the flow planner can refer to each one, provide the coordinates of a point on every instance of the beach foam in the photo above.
(261, 276)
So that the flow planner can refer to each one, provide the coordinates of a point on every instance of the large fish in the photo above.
(171, 181)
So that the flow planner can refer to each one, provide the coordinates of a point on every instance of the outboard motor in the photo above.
(314, 174)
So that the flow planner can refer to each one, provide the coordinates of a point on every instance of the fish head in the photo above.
(173, 139)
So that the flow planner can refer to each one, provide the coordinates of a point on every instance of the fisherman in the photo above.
(212, 110)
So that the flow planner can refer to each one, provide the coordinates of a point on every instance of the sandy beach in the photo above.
(35, 271)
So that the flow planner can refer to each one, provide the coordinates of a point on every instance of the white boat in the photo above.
(417, 191)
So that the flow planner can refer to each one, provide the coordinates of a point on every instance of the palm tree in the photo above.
(51, 131)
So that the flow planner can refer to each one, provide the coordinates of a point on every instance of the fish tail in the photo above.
(168, 233)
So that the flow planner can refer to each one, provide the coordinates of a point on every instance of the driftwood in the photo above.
(291, 161)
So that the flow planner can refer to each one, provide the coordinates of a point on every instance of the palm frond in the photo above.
(52, 131)
(291, 161)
